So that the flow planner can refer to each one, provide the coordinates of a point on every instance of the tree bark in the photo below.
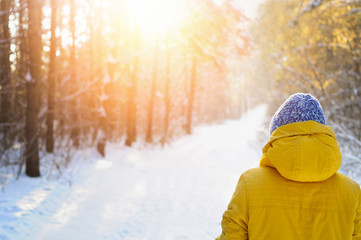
(32, 89)
(191, 96)
(94, 101)
(5, 72)
(22, 65)
(51, 81)
(75, 132)
(132, 92)
(149, 134)
(166, 97)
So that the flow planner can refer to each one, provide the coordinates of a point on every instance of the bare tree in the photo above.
(149, 134)
(5, 72)
(193, 82)
(32, 89)
(166, 95)
(132, 92)
(75, 132)
(51, 80)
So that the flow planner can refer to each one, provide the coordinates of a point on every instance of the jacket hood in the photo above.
(303, 151)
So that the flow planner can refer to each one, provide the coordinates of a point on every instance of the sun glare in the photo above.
(250, 8)
(157, 16)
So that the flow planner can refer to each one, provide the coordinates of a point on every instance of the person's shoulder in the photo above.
(259, 171)
(260, 174)
(349, 182)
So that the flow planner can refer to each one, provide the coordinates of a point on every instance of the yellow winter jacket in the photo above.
(296, 193)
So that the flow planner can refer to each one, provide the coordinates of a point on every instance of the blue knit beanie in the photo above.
(299, 107)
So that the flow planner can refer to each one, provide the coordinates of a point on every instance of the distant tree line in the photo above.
(80, 73)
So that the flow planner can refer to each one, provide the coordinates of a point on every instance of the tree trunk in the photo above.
(166, 97)
(61, 107)
(132, 91)
(94, 101)
(357, 71)
(358, 83)
(75, 132)
(32, 89)
(51, 81)
(105, 111)
(5, 71)
(191, 96)
(131, 116)
(22, 66)
(149, 135)
(102, 139)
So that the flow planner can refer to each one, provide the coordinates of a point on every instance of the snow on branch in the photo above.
(28, 77)
(6, 41)
(3, 13)
(81, 91)
(311, 5)
(328, 45)
(355, 10)
(345, 133)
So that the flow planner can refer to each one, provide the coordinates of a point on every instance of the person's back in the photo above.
(296, 193)
(282, 209)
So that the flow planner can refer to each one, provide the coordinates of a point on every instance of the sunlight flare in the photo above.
(157, 16)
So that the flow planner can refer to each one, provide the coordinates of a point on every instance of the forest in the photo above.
(82, 73)
(138, 119)
(77, 74)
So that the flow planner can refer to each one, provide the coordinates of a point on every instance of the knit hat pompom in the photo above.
(299, 107)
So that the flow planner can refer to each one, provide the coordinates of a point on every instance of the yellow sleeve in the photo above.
(357, 223)
(235, 218)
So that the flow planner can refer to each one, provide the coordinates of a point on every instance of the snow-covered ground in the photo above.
(176, 192)
(168, 193)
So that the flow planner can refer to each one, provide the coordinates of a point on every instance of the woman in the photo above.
(296, 193)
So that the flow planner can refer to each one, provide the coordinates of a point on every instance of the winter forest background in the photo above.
(85, 74)
(81, 73)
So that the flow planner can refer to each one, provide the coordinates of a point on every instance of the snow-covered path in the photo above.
(176, 192)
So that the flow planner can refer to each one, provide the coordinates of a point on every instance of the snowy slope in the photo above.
(176, 192)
